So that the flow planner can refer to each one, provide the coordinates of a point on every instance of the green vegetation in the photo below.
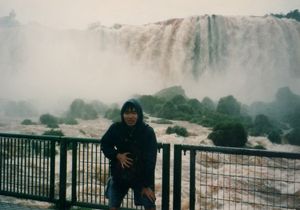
(293, 118)
(99, 107)
(229, 134)
(274, 136)
(229, 105)
(293, 137)
(49, 120)
(208, 104)
(113, 114)
(261, 125)
(182, 108)
(171, 92)
(231, 120)
(53, 132)
(295, 14)
(180, 131)
(79, 109)
(151, 104)
(28, 122)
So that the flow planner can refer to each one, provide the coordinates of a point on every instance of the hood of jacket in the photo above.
(133, 103)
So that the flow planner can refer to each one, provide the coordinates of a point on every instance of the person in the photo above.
(131, 147)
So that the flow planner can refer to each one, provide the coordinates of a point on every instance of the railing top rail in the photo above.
(241, 151)
(57, 138)
(49, 137)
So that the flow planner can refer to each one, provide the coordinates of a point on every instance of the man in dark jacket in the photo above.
(131, 147)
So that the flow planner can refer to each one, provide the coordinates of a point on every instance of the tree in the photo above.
(178, 100)
(229, 134)
(169, 93)
(274, 136)
(28, 122)
(79, 109)
(295, 14)
(113, 114)
(261, 125)
(208, 103)
(294, 118)
(229, 105)
(49, 120)
(195, 105)
(150, 103)
(168, 111)
(293, 137)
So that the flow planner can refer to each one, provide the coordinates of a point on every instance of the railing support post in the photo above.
(1, 154)
(177, 178)
(166, 177)
(52, 170)
(192, 179)
(74, 172)
(63, 174)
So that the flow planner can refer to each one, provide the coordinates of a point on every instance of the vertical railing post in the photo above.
(1, 153)
(63, 174)
(52, 170)
(74, 172)
(166, 177)
(177, 178)
(192, 179)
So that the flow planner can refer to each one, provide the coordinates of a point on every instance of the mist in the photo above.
(214, 56)
(51, 68)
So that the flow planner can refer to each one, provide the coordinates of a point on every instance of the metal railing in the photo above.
(27, 166)
(73, 172)
(232, 178)
(65, 171)
(91, 171)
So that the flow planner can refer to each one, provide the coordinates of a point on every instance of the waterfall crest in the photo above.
(249, 57)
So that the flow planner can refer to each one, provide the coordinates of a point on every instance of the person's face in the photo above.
(130, 116)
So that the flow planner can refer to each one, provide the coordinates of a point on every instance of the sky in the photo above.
(81, 13)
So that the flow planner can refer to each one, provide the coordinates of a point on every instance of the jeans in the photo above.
(116, 194)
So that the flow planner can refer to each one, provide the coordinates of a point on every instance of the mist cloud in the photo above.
(49, 65)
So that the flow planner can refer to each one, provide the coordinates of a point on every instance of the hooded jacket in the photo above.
(119, 137)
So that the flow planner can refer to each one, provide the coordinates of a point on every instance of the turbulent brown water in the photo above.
(96, 128)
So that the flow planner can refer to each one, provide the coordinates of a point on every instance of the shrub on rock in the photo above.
(229, 134)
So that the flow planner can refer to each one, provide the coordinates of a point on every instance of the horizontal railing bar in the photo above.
(242, 151)
(56, 138)
(25, 136)
(50, 137)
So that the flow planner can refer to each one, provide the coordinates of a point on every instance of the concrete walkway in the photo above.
(11, 206)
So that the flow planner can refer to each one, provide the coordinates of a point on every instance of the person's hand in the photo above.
(147, 191)
(124, 160)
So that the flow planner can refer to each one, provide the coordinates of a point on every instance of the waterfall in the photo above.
(248, 57)
(245, 54)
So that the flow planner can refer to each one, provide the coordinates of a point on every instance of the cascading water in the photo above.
(248, 57)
